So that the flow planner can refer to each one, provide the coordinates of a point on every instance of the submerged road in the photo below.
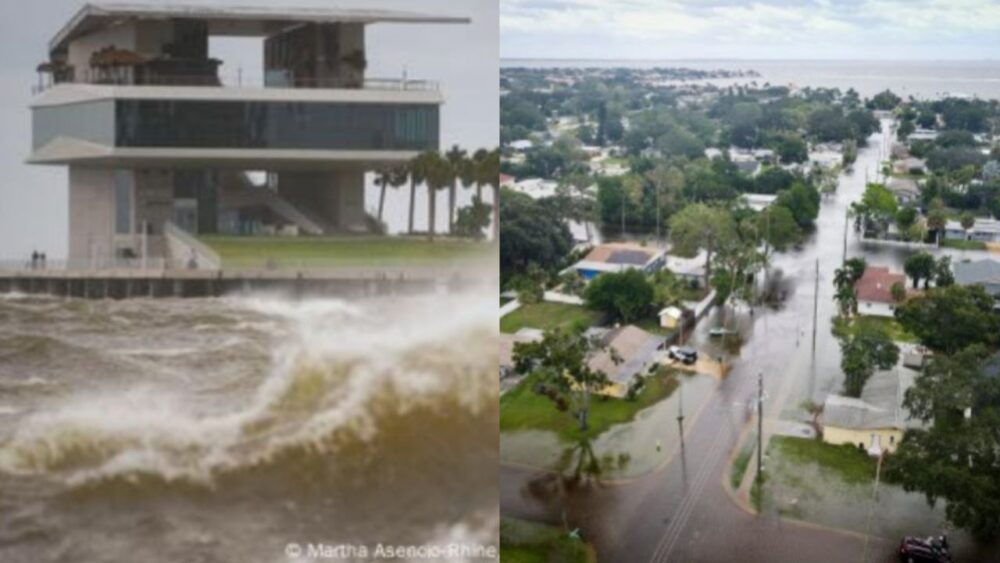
(682, 512)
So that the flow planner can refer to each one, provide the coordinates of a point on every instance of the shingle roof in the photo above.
(880, 404)
(634, 345)
(876, 284)
(978, 271)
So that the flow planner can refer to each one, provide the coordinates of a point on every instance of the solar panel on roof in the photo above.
(631, 257)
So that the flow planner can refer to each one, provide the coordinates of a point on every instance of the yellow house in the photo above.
(874, 422)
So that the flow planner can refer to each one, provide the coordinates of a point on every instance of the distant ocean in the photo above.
(920, 79)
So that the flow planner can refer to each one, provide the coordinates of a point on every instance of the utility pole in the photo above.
(760, 424)
(680, 413)
(815, 309)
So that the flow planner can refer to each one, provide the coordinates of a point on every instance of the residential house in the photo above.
(637, 350)
(619, 257)
(874, 422)
(507, 342)
(874, 291)
(907, 191)
(985, 273)
(536, 188)
(909, 165)
(749, 166)
(688, 269)
(983, 230)
(922, 135)
(758, 202)
(521, 145)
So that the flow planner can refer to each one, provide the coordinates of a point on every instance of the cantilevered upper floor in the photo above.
(135, 85)
(169, 44)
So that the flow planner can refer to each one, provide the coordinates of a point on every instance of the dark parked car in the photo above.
(684, 354)
(924, 550)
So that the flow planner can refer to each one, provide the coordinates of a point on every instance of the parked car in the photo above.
(924, 550)
(683, 354)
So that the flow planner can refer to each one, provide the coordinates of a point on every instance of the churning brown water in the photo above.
(223, 430)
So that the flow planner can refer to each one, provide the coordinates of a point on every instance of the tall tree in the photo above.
(417, 168)
(701, 227)
(624, 295)
(560, 360)
(868, 349)
(438, 175)
(948, 319)
(457, 159)
(954, 456)
(920, 266)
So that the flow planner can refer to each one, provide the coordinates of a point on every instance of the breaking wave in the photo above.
(344, 378)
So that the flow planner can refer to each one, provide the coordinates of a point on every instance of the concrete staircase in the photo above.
(245, 193)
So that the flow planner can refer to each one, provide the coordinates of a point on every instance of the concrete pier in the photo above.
(201, 283)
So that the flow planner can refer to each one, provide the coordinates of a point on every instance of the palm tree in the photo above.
(477, 159)
(383, 179)
(488, 172)
(456, 157)
(437, 175)
(417, 172)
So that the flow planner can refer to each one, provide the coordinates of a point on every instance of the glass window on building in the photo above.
(124, 190)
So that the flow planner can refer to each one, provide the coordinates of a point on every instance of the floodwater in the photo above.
(921, 79)
(223, 429)
(624, 450)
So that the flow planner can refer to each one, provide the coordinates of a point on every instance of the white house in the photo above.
(874, 291)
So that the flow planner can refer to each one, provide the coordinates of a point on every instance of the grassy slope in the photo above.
(527, 542)
(522, 408)
(852, 464)
(547, 315)
(238, 251)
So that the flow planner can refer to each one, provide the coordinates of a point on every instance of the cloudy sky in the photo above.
(33, 200)
(769, 29)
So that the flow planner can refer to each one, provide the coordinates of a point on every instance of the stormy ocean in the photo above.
(224, 430)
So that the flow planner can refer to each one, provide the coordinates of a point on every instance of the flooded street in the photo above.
(676, 512)
(224, 429)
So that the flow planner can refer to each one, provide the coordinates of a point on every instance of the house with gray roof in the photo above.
(985, 272)
(877, 419)
(637, 350)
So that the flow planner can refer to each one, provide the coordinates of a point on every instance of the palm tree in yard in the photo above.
(456, 158)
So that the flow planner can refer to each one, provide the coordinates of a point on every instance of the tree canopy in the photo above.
(948, 319)
(625, 296)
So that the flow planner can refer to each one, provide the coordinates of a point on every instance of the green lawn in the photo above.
(522, 408)
(890, 326)
(964, 244)
(852, 464)
(527, 542)
(304, 251)
(547, 315)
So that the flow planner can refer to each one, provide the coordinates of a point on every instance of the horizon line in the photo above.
(741, 59)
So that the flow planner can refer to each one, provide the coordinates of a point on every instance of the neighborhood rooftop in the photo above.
(876, 284)
(880, 404)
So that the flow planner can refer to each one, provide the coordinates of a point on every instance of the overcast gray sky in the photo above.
(766, 29)
(464, 58)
